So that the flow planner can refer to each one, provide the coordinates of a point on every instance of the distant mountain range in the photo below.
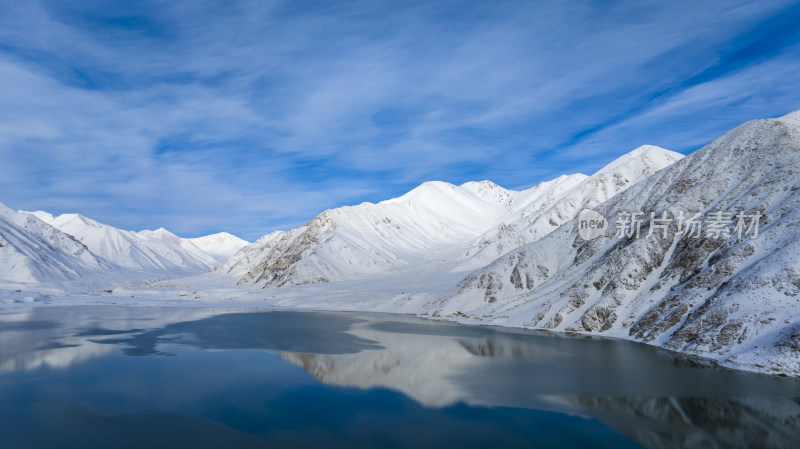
(38, 247)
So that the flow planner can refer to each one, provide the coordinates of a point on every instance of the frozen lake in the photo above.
(107, 376)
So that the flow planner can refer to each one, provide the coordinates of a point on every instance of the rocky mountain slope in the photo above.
(437, 224)
(733, 296)
(562, 202)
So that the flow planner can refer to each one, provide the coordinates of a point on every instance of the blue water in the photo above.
(83, 377)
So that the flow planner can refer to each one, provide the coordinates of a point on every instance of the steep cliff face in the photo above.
(732, 296)
(274, 260)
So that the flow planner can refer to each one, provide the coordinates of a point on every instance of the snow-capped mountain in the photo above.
(437, 224)
(432, 221)
(221, 245)
(156, 252)
(185, 244)
(731, 296)
(33, 251)
(38, 247)
(551, 204)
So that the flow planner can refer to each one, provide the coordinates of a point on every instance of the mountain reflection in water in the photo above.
(221, 376)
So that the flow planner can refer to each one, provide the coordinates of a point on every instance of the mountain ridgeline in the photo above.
(40, 248)
(437, 224)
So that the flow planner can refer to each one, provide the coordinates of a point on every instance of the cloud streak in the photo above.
(254, 116)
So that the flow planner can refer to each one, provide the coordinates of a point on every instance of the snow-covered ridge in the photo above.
(369, 238)
(157, 251)
(33, 251)
(221, 245)
(435, 225)
(39, 247)
(733, 299)
(551, 204)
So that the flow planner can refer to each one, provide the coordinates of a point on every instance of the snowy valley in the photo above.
(478, 253)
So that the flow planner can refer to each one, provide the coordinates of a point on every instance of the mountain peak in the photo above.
(46, 217)
(220, 237)
(792, 118)
(426, 189)
(221, 245)
(160, 233)
(648, 149)
(648, 157)
(434, 185)
(485, 184)
(487, 191)
(62, 219)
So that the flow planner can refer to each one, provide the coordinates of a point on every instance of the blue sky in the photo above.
(252, 116)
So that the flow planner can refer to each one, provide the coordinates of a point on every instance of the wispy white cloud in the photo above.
(250, 116)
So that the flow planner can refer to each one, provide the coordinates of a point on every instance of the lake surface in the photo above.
(86, 377)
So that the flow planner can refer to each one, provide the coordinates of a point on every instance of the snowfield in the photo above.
(481, 254)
